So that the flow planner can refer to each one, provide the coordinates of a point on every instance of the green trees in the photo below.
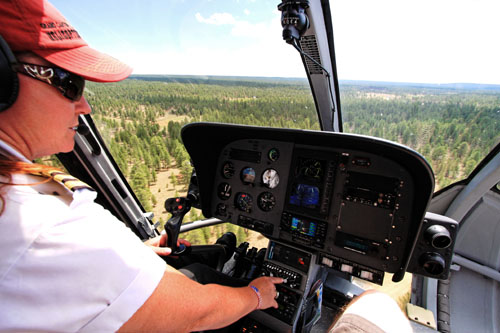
(141, 120)
(139, 182)
(453, 129)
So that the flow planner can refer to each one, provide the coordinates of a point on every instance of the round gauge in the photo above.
(221, 209)
(270, 178)
(228, 170)
(266, 201)
(273, 154)
(224, 191)
(244, 202)
(248, 176)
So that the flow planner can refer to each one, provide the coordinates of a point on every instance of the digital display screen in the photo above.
(357, 244)
(310, 169)
(305, 196)
(304, 227)
(306, 188)
(245, 155)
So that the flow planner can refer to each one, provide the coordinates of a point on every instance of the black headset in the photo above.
(9, 82)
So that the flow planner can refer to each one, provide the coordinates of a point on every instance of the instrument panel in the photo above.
(356, 202)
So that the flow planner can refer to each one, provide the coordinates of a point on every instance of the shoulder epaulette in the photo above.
(64, 179)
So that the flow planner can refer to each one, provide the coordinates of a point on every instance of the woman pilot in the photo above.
(56, 272)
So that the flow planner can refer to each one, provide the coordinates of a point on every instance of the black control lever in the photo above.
(178, 207)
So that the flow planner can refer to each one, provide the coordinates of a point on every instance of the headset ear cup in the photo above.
(9, 81)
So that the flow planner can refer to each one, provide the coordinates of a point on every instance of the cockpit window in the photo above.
(140, 120)
(401, 69)
(202, 61)
(414, 73)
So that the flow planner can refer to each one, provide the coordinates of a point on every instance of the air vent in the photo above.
(309, 46)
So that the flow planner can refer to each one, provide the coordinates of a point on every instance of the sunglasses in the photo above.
(69, 84)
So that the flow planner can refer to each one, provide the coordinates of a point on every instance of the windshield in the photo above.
(193, 61)
(421, 74)
(424, 74)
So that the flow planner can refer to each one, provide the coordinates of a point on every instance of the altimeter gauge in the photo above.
(266, 201)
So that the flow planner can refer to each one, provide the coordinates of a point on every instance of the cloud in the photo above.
(246, 29)
(264, 53)
(240, 28)
(216, 19)
(246, 61)
(263, 58)
(246, 11)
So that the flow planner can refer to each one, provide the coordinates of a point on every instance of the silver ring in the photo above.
(277, 295)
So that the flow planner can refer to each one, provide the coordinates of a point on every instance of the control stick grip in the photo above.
(178, 207)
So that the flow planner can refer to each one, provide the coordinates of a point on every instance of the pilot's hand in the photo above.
(267, 288)
(159, 244)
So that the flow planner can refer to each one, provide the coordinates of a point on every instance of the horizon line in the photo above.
(497, 85)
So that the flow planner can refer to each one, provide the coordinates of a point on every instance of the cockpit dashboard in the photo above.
(355, 202)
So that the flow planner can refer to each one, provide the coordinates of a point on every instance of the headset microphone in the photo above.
(82, 129)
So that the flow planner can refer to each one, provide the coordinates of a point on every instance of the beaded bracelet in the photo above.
(257, 292)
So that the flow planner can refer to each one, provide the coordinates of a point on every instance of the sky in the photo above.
(426, 41)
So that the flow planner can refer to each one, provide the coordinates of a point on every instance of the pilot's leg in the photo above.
(373, 312)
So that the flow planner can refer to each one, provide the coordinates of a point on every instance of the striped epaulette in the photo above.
(64, 179)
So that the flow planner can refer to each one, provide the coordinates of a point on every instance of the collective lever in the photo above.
(178, 207)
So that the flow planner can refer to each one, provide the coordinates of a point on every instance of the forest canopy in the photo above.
(140, 118)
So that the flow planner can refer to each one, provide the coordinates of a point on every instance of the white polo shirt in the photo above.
(67, 264)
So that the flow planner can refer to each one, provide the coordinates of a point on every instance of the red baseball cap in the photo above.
(37, 26)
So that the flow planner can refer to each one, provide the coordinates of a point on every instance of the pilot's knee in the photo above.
(375, 308)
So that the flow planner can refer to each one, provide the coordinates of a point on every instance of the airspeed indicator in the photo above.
(243, 202)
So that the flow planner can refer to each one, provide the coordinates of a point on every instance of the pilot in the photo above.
(66, 263)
